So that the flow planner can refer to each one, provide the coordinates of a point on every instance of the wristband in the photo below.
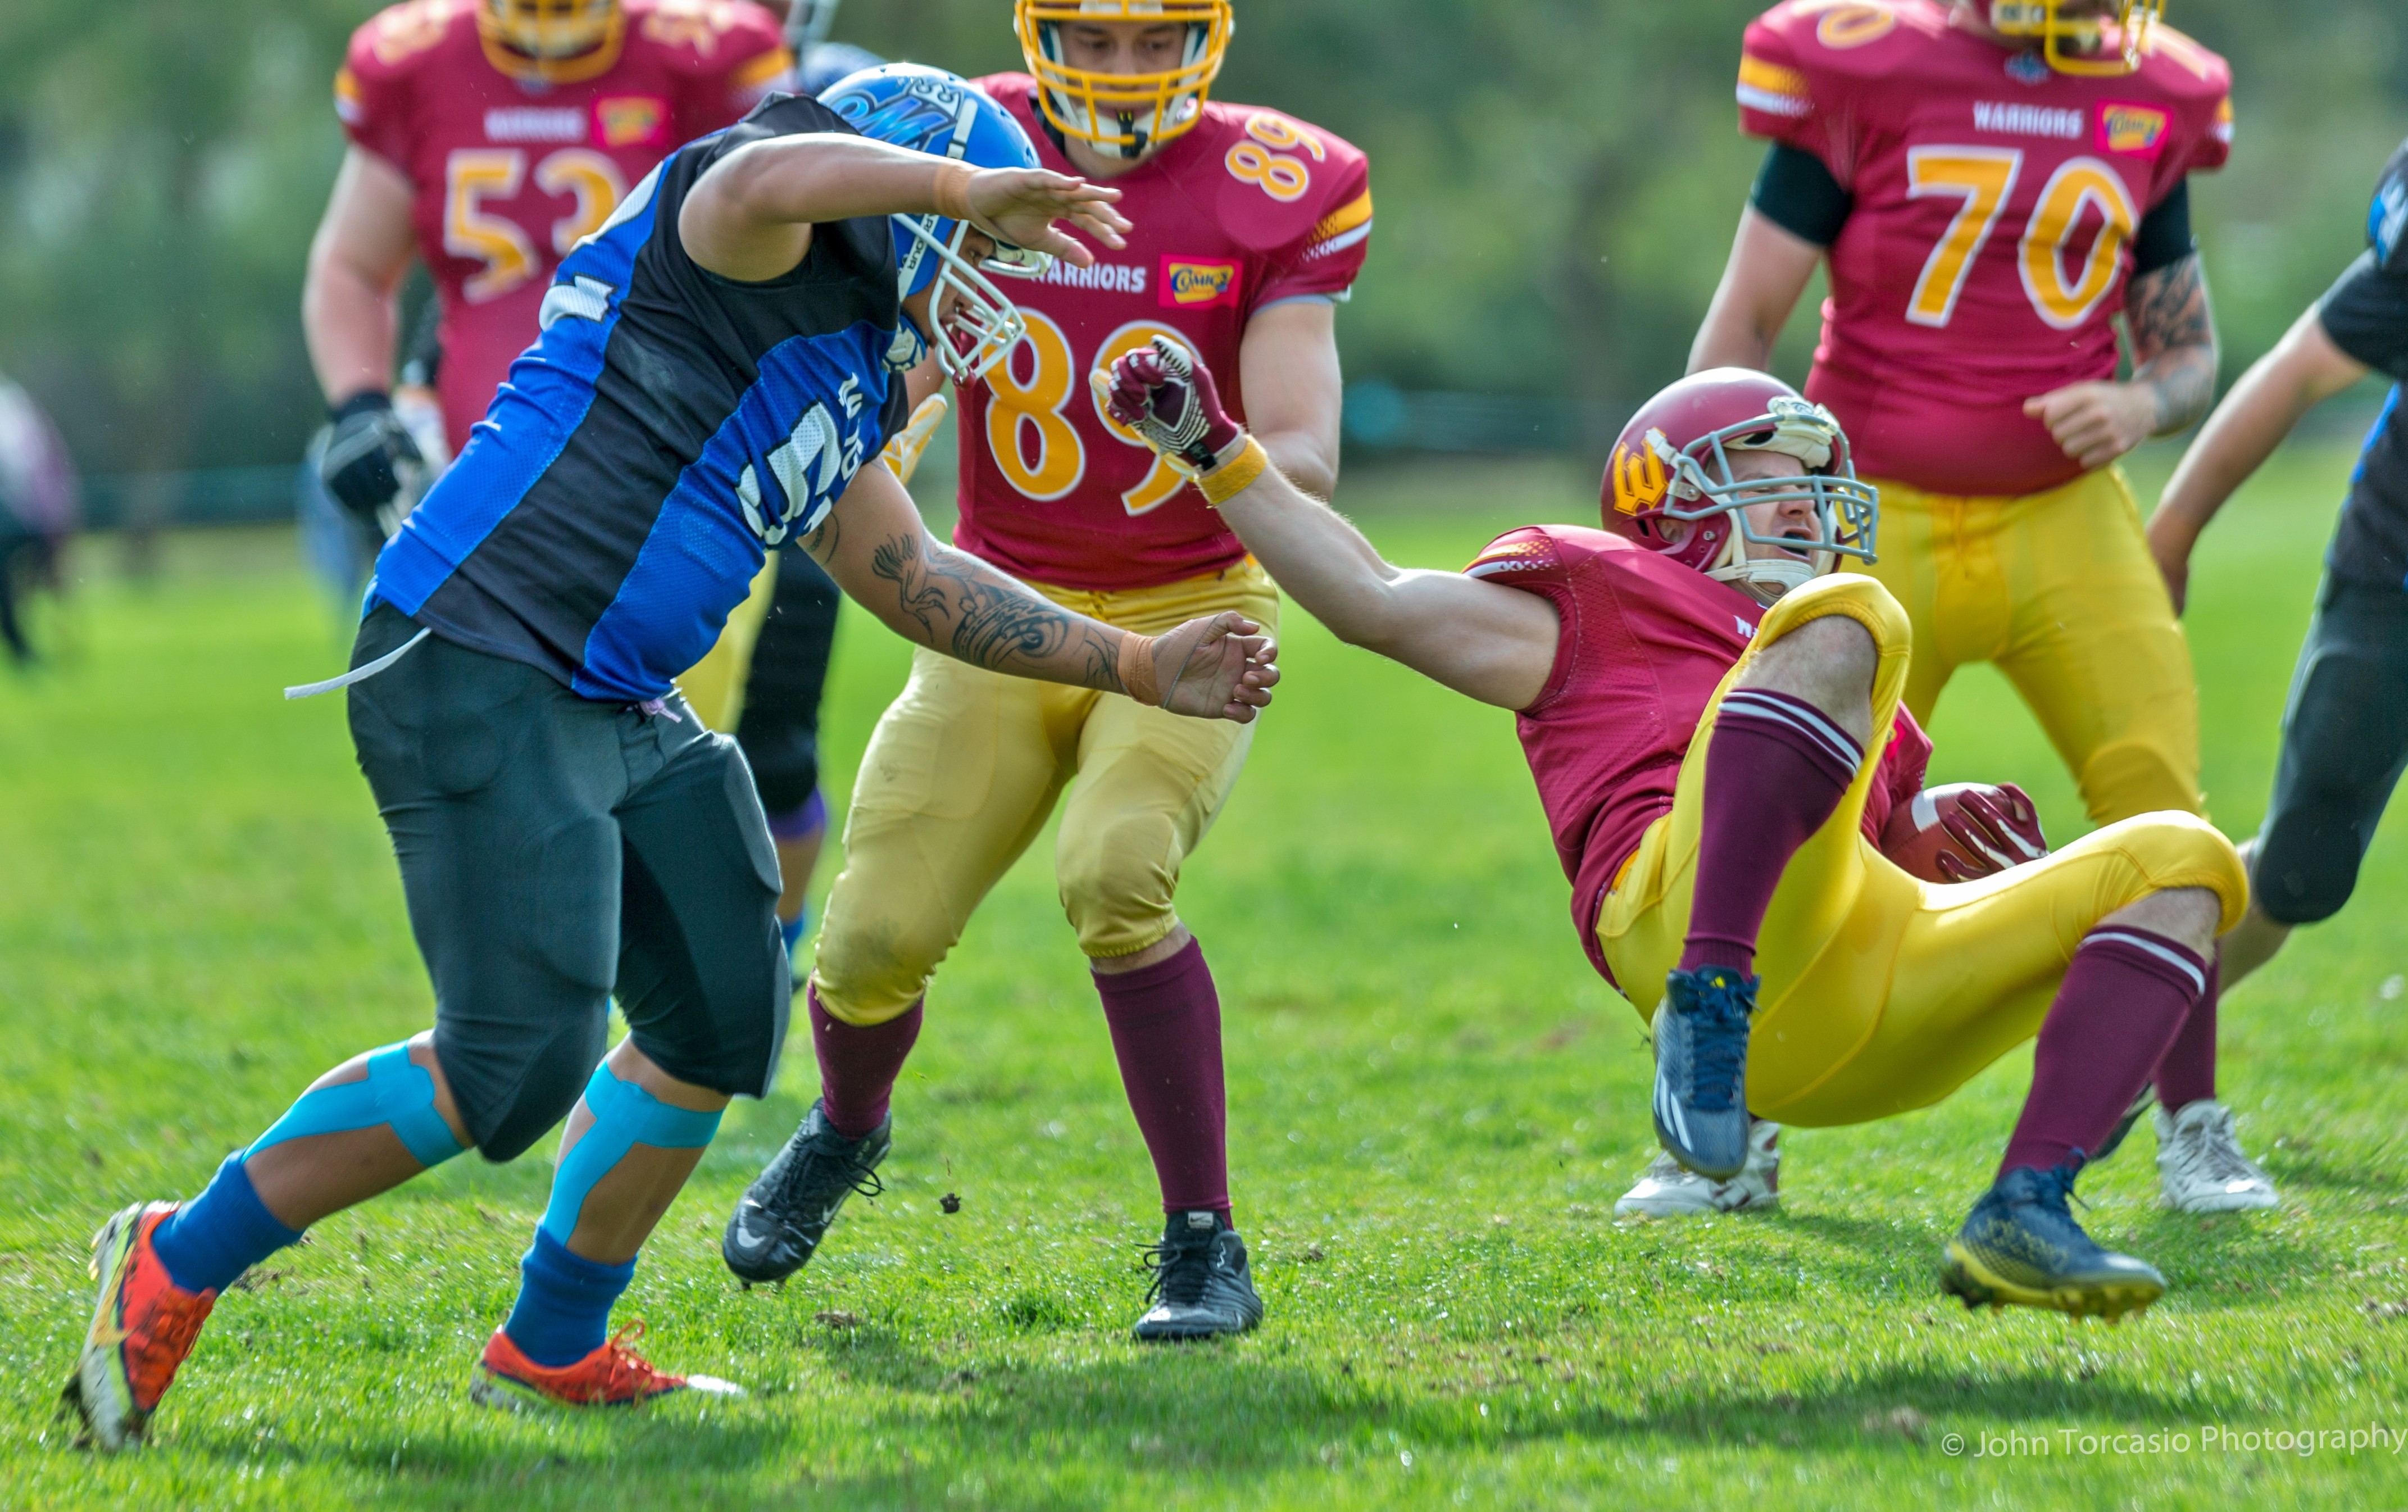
(1234, 476)
(1137, 669)
(952, 190)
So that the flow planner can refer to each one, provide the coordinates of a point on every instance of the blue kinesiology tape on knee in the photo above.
(396, 1091)
(625, 1116)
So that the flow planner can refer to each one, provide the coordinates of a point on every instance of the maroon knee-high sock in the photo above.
(1166, 1024)
(2187, 1072)
(2123, 1001)
(858, 1065)
(1775, 772)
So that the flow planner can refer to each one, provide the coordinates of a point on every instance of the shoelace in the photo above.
(1175, 1279)
(1714, 1055)
(2214, 1146)
(629, 1369)
(792, 1181)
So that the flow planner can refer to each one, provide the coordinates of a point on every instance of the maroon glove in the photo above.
(1964, 830)
(1166, 397)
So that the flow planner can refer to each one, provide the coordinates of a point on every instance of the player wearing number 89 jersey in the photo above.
(1250, 225)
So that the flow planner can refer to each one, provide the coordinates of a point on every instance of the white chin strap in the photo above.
(980, 310)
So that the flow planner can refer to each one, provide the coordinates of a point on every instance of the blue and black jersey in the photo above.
(666, 430)
(2366, 315)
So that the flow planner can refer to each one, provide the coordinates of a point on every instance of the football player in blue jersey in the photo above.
(717, 363)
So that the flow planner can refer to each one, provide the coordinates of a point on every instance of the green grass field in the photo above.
(1434, 1104)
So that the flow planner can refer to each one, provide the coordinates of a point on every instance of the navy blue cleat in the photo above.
(2020, 1245)
(1701, 1069)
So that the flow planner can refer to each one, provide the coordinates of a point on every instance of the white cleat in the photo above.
(2200, 1168)
(1668, 1190)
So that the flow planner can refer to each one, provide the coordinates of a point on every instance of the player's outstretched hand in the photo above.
(1021, 204)
(2096, 422)
(1161, 392)
(1964, 830)
(1218, 666)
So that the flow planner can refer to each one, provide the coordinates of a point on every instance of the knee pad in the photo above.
(2302, 874)
(2127, 778)
(2174, 849)
(625, 1116)
(543, 1087)
(396, 1092)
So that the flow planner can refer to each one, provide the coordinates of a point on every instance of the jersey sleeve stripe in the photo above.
(2222, 127)
(347, 97)
(765, 70)
(1338, 243)
(1772, 89)
(1354, 212)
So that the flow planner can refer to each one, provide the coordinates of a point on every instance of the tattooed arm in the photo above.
(2173, 372)
(875, 546)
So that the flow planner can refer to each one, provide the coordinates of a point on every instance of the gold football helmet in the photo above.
(1123, 115)
(551, 41)
(2049, 21)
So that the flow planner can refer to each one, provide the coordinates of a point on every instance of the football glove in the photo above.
(1964, 830)
(906, 446)
(368, 457)
(1170, 402)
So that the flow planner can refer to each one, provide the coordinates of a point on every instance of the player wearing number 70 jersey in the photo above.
(1250, 226)
(1991, 184)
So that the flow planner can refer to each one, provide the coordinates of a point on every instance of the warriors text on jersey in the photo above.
(1643, 642)
(507, 176)
(1247, 209)
(1986, 252)
(666, 429)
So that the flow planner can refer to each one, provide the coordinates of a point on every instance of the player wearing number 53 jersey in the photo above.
(1248, 225)
(490, 136)
(1991, 184)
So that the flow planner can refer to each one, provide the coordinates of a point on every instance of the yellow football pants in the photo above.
(2057, 588)
(715, 684)
(963, 770)
(1882, 993)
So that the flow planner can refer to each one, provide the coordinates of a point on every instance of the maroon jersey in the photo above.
(1643, 644)
(1984, 256)
(1246, 208)
(507, 176)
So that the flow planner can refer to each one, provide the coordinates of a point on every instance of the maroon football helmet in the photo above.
(1669, 485)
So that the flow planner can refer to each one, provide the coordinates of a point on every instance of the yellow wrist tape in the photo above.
(1234, 476)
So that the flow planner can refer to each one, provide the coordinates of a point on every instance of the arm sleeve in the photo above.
(2164, 237)
(1330, 255)
(371, 100)
(1797, 193)
(2366, 315)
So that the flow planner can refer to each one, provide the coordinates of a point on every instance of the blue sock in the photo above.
(794, 929)
(209, 1241)
(564, 1307)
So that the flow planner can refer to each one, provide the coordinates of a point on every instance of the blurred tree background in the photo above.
(1557, 182)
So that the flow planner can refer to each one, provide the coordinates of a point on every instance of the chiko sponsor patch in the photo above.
(2138, 129)
(630, 120)
(1193, 283)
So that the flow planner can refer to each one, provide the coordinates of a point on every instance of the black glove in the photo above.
(365, 456)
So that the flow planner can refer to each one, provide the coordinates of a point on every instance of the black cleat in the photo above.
(1701, 1069)
(777, 1227)
(2143, 1101)
(1202, 1288)
(2020, 1245)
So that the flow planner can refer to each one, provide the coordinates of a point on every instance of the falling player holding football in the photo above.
(1989, 186)
(2345, 731)
(718, 361)
(1715, 718)
(1250, 226)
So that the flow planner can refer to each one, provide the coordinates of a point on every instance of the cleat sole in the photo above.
(97, 1391)
(1964, 1276)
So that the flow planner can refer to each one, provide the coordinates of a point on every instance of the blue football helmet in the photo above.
(930, 110)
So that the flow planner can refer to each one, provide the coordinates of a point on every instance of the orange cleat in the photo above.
(143, 1328)
(613, 1376)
